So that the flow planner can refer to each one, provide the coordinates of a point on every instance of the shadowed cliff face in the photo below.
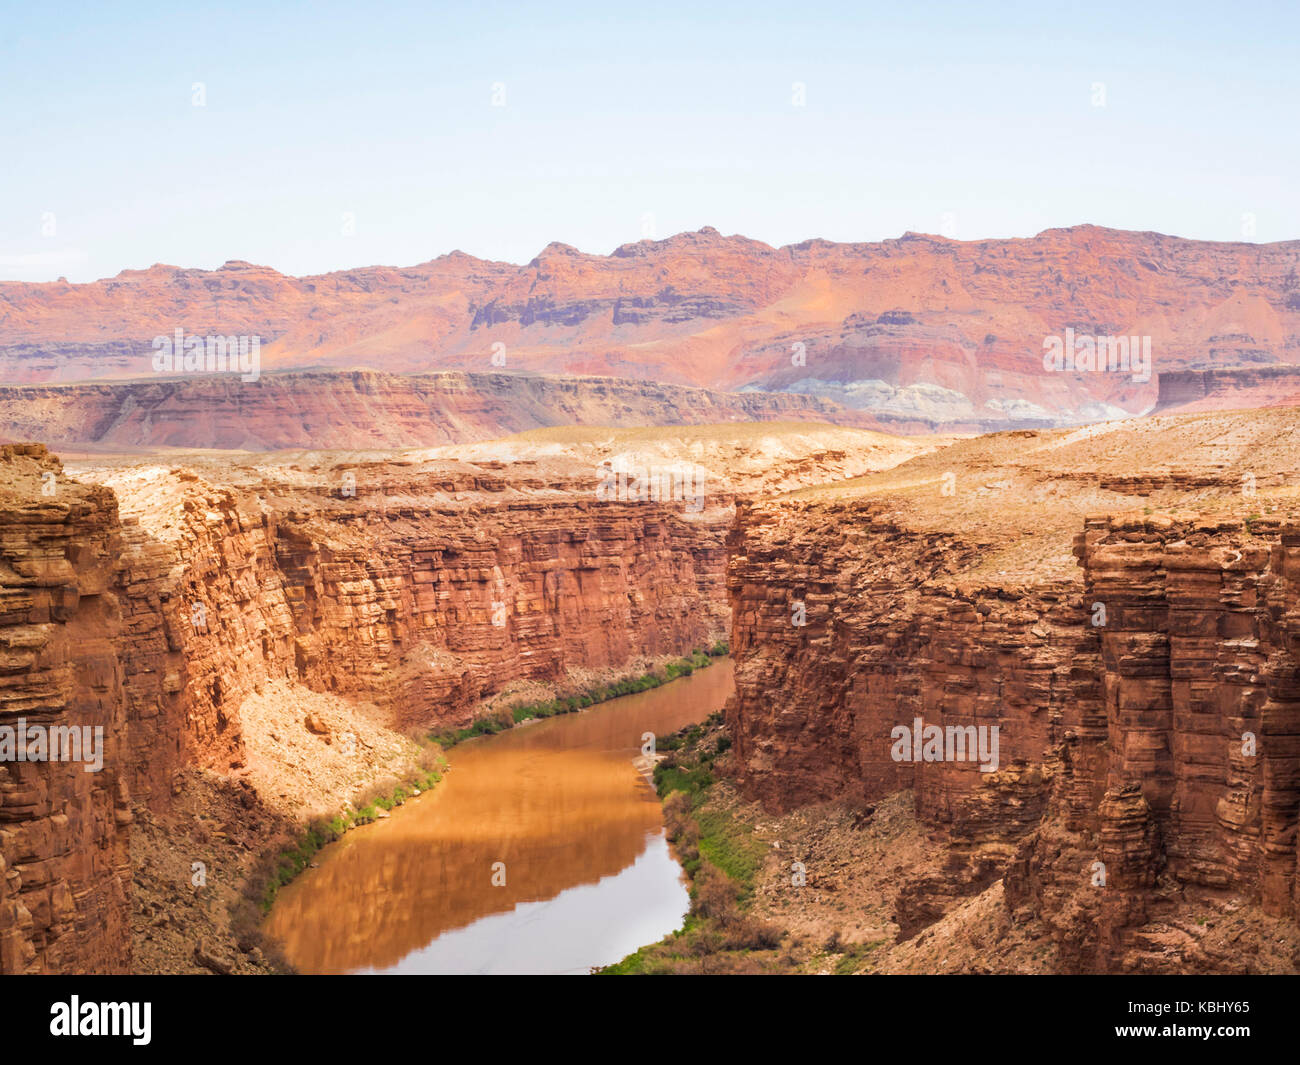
(920, 332)
(64, 876)
(1128, 626)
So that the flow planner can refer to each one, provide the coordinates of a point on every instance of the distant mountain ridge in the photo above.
(919, 332)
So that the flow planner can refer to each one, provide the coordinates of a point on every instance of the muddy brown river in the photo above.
(541, 851)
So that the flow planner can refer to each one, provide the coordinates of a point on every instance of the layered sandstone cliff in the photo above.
(64, 877)
(363, 409)
(1189, 780)
(1129, 663)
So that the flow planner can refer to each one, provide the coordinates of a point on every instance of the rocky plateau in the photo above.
(919, 334)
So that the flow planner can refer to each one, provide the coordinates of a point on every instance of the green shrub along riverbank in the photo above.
(722, 860)
(514, 715)
(291, 861)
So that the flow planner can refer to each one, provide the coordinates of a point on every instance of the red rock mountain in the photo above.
(920, 332)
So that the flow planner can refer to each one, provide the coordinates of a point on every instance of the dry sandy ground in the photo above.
(311, 753)
(745, 459)
(855, 860)
(1022, 495)
(751, 459)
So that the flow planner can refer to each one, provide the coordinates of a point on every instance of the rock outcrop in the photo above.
(1147, 704)
(424, 597)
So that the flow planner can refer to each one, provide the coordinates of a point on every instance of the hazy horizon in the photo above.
(144, 268)
(311, 139)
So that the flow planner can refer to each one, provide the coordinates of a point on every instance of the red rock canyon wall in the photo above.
(421, 595)
(1121, 742)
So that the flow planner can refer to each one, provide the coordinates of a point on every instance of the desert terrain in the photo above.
(247, 623)
(455, 492)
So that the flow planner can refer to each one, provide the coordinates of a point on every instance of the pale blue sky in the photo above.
(920, 116)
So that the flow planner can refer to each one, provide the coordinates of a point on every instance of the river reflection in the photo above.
(588, 874)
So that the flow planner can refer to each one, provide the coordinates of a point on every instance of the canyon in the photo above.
(269, 594)
(1119, 600)
(280, 624)
(1127, 621)
(918, 334)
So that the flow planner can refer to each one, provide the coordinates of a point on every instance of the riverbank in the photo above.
(206, 872)
(573, 700)
(813, 891)
(376, 805)
(542, 851)
(721, 859)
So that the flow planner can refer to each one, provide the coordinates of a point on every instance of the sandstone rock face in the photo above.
(421, 588)
(368, 410)
(890, 637)
(1148, 705)
(64, 873)
(426, 609)
(1199, 759)
(921, 332)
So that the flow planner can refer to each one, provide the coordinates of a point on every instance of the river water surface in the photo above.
(588, 875)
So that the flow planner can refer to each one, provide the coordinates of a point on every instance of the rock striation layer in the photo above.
(417, 587)
(922, 332)
(64, 876)
(1190, 780)
(1147, 704)
(368, 410)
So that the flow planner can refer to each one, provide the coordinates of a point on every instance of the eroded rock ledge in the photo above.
(1124, 731)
